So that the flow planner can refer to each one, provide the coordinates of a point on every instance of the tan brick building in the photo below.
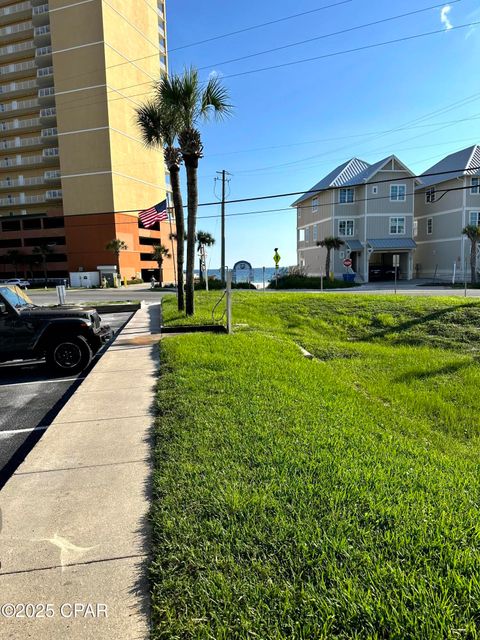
(73, 169)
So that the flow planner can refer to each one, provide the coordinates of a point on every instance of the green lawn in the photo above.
(329, 498)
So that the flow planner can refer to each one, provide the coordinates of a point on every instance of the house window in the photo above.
(430, 195)
(415, 228)
(346, 196)
(375, 190)
(314, 205)
(475, 189)
(397, 226)
(346, 227)
(429, 226)
(315, 233)
(307, 234)
(398, 193)
(475, 218)
(301, 235)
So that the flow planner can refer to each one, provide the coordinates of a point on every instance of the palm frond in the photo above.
(216, 100)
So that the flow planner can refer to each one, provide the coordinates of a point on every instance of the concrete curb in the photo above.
(75, 513)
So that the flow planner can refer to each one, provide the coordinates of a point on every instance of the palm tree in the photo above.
(329, 243)
(44, 250)
(160, 252)
(473, 234)
(116, 246)
(15, 257)
(193, 104)
(159, 126)
(204, 239)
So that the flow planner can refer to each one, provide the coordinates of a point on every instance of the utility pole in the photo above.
(224, 180)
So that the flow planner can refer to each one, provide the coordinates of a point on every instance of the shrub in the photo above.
(293, 281)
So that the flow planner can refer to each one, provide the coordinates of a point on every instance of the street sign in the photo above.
(347, 262)
(396, 260)
(276, 257)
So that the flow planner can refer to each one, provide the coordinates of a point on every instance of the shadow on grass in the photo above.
(414, 374)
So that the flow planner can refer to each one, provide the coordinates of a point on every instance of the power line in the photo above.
(259, 26)
(327, 35)
(345, 51)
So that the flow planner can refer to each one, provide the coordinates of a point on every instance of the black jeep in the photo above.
(66, 337)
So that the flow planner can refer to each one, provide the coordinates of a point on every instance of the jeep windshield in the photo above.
(17, 298)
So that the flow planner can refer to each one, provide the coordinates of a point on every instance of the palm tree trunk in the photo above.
(160, 274)
(191, 165)
(473, 261)
(180, 228)
(327, 264)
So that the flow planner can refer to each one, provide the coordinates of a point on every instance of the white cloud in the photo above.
(215, 74)
(444, 17)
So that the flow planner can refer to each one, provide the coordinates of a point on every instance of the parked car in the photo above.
(382, 272)
(66, 337)
(18, 282)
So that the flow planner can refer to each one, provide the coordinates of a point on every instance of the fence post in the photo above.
(229, 301)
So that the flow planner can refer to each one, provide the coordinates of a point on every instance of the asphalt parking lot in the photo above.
(30, 399)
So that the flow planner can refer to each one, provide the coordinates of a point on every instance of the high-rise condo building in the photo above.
(73, 169)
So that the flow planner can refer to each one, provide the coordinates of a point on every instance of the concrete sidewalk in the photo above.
(74, 515)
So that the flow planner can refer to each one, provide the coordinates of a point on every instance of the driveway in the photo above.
(30, 398)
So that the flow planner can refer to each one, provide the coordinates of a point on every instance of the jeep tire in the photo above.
(68, 355)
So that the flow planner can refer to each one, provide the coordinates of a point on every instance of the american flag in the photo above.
(158, 213)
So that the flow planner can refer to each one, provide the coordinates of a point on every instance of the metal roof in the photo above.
(456, 165)
(340, 176)
(390, 244)
(373, 169)
(354, 245)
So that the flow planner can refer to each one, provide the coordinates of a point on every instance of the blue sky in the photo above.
(293, 125)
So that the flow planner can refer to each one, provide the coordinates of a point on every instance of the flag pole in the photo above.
(172, 213)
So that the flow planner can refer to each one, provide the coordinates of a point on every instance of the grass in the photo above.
(294, 281)
(332, 498)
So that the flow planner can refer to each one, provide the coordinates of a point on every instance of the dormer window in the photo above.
(347, 196)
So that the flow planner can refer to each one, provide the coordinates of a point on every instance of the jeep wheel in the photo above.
(69, 355)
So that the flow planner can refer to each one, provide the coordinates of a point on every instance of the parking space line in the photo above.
(13, 432)
(52, 380)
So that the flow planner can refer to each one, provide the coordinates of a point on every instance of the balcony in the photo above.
(51, 154)
(46, 96)
(15, 32)
(41, 36)
(21, 143)
(54, 194)
(40, 15)
(15, 12)
(20, 161)
(16, 51)
(22, 199)
(19, 107)
(48, 135)
(22, 183)
(19, 70)
(17, 88)
(52, 176)
(45, 76)
(48, 115)
(19, 125)
(43, 56)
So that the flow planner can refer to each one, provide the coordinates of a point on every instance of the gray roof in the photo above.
(354, 245)
(373, 169)
(456, 165)
(340, 176)
(391, 244)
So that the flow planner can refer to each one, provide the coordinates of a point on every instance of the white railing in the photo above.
(51, 152)
(43, 8)
(20, 162)
(17, 86)
(47, 91)
(52, 175)
(16, 48)
(14, 68)
(22, 182)
(15, 8)
(50, 112)
(45, 72)
(16, 28)
(49, 133)
(18, 144)
(41, 31)
(43, 51)
(54, 195)
(6, 107)
(19, 124)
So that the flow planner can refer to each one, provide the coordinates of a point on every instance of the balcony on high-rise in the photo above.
(44, 76)
(48, 115)
(12, 162)
(54, 194)
(13, 144)
(41, 35)
(22, 183)
(15, 12)
(40, 15)
(19, 107)
(52, 176)
(51, 154)
(50, 134)
(14, 32)
(16, 51)
(12, 89)
(43, 56)
(19, 70)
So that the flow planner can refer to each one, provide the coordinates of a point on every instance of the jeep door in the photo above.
(16, 334)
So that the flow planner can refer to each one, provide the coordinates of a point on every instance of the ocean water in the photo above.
(245, 275)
